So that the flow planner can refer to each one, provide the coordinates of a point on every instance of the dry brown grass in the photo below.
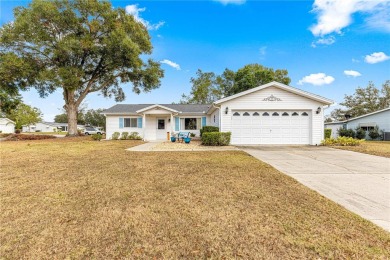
(83, 199)
(379, 148)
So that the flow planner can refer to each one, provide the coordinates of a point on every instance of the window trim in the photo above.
(182, 123)
(130, 125)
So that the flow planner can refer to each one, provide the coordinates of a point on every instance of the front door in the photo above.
(161, 132)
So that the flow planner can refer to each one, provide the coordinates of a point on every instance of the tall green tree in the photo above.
(25, 115)
(203, 90)
(78, 47)
(95, 118)
(254, 75)
(365, 100)
(208, 87)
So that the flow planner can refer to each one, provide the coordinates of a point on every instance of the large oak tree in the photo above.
(78, 47)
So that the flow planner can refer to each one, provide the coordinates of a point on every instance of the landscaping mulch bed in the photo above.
(23, 137)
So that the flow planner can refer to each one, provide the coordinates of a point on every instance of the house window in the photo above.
(190, 123)
(246, 114)
(255, 114)
(275, 114)
(295, 114)
(305, 114)
(367, 128)
(130, 122)
(160, 124)
(214, 118)
(265, 114)
(285, 114)
(236, 114)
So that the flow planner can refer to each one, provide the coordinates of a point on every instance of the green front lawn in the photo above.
(76, 198)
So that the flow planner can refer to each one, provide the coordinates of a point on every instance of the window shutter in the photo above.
(139, 123)
(121, 122)
(203, 121)
(177, 124)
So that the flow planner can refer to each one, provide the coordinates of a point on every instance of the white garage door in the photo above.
(271, 127)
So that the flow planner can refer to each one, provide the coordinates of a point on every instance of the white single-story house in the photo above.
(380, 118)
(48, 127)
(273, 113)
(7, 126)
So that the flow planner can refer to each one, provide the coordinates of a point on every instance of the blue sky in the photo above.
(329, 47)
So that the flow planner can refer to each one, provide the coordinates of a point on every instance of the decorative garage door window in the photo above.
(272, 113)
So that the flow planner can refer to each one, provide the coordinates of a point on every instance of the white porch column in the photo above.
(143, 126)
(172, 124)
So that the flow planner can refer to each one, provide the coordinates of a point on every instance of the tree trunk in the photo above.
(72, 119)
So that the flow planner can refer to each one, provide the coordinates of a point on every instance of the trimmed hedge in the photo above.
(208, 129)
(375, 133)
(96, 137)
(124, 135)
(360, 133)
(216, 138)
(346, 132)
(115, 135)
(328, 133)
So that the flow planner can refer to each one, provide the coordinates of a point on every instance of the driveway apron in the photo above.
(357, 181)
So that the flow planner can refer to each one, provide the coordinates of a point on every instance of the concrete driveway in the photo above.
(359, 182)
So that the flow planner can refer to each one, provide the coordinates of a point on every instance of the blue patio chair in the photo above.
(182, 135)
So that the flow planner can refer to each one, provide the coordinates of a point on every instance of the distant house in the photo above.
(7, 126)
(380, 118)
(48, 127)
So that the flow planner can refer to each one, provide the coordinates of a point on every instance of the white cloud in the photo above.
(376, 57)
(355, 60)
(380, 20)
(171, 63)
(235, 2)
(135, 11)
(334, 15)
(352, 73)
(323, 41)
(316, 79)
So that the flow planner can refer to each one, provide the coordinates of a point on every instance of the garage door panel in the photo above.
(279, 127)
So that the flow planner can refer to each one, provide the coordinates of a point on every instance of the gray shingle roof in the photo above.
(132, 108)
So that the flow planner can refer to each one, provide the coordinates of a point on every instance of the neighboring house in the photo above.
(273, 113)
(380, 118)
(7, 126)
(48, 127)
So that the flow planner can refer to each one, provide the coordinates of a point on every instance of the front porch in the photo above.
(159, 122)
